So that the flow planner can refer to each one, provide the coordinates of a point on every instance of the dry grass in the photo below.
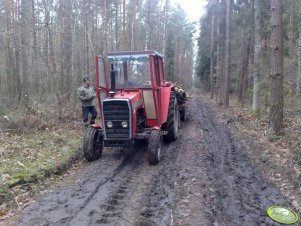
(37, 116)
(29, 158)
(35, 145)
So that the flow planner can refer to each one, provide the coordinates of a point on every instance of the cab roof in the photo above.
(135, 53)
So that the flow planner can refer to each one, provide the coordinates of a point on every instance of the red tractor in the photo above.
(136, 103)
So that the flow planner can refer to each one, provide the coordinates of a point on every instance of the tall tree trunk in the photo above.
(87, 46)
(227, 54)
(241, 65)
(123, 23)
(218, 72)
(211, 55)
(291, 35)
(257, 55)
(165, 12)
(25, 7)
(46, 80)
(298, 89)
(35, 74)
(222, 36)
(52, 60)
(133, 25)
(17, 64)
(105, 25)
(276, 69)
(245, 71)
(65, 81)
(9, 60)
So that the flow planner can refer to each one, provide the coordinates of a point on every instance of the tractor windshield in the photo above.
(132, 71)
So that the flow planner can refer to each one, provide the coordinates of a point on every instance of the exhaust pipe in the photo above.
(113, 81)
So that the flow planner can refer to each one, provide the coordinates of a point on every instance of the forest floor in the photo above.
(31, 161)
(222, 170)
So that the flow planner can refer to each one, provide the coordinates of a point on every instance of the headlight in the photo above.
(109, 124)
(124, 124)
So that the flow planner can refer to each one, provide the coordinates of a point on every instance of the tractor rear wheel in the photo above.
(173, 120)
(93, 143)
(154, 147)
(183, 114)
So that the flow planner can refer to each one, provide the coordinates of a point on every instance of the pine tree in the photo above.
(276, 69)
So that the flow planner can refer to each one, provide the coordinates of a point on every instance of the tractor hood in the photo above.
(133, 96)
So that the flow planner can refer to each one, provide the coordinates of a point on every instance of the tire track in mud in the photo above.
(109, 202)
(128, 192)
(156, 206)
(179, 180)
(240, 193)
(63, 206)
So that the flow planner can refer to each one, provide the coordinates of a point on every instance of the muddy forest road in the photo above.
(204, 178)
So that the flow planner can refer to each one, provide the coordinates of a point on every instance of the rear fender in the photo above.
(164, 96)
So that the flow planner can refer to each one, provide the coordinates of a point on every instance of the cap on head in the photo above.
(86, 78)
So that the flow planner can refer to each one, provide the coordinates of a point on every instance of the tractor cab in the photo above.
(135, 103)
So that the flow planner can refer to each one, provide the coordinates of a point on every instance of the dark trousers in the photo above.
(92, 111)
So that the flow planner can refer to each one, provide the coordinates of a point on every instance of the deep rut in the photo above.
(240, 193)
(113, 191)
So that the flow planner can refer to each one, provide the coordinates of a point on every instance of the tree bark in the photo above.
(65, 81)
(218, 72)
(105, 26)
(48, 84)
(276, 69)
(211, 55)
(298, 89)
(133, 24)
(123, 23)
(291, 35)
(257, 55)
(241, 65)
(245, 71)
(35, 74)
(9, 54)
(221, 43)
(87, 47)
(227, 54)
(25, 7)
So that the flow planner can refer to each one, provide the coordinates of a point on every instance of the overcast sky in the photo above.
(193, 8)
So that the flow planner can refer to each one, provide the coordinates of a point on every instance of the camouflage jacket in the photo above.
(86, 95)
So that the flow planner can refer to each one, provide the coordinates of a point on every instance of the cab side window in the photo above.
(160, 61)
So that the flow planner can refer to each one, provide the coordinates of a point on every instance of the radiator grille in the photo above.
(116, 111)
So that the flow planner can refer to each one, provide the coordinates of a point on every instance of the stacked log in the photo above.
(181, 94)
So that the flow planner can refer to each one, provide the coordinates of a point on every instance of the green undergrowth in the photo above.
(29, 158)
(256, 113)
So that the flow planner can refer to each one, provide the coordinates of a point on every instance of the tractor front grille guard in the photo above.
(116, 115)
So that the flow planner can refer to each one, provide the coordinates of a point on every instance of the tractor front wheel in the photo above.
(154, 147)
(93, 143)
(172, 124)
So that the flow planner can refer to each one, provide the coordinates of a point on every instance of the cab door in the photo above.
(164, 91)
(101, 83)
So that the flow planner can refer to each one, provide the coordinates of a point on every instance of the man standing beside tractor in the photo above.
(86, 94)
